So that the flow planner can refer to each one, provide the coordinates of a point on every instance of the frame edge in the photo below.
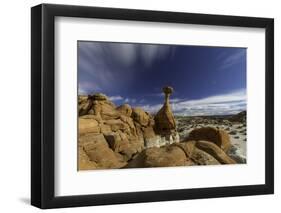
(269, 116)
(36, 60)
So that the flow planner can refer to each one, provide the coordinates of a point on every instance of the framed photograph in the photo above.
(139, 106)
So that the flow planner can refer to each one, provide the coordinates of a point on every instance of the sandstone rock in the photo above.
(151, 122)
(187, 146)
(85, 105)
(94, 117)
(88, 126)
(177, 154)
(91, 112)
(164, 119)
(98, 151)
(116, 124)
(100, 97)
(160, 157)
(140, 116)
(129, 121)
(166, 156)
(139, 131)
(125, 109)
(112, 137)
(159, 141)
(97, 118)
(173, 137)
(214, 151)
(203, 158)
(153, 142)
(105, 129)
(148, 132)
(150, 138)
(136, 145)
(115, 141)
(219, 137)
(84, 161)
(82, 99)
(106, 110)
(198, 156)
(101, 106)
(125, 145)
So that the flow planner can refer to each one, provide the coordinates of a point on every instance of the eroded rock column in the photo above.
(164, 119)
(165, 124)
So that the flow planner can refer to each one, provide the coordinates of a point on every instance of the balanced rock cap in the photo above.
(168, 90)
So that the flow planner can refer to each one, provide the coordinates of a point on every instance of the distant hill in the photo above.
(240, 117)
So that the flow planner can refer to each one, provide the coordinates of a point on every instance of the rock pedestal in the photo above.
(165, 125)
(164, 119)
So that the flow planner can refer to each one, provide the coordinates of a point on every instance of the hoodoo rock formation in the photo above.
(165, 124)
(164, 119)
(124, 137)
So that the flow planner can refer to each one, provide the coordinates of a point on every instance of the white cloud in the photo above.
(218, 99)
(130, 100)
(86, 88)
(222, 104)
(152, 53)
(152, 108)
(125, 54)
(100, 61)
(159, 94)
(230, 60)
(116, 98)
(82, 92)
(175, 100)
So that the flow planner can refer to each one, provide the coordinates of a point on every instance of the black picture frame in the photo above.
(43, 111)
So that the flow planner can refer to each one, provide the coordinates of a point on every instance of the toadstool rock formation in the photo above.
(164, 119)
(165, 124)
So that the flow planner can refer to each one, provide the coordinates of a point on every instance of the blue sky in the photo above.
(206, 80)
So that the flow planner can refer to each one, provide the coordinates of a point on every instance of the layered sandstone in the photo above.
(113, 136)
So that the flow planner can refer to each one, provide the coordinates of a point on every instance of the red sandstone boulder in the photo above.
(140, 116)
(160, 157)
(198, 156)
(217, 136)
(98, 152)
(215, 151)
(88, 126)
(125, 109)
